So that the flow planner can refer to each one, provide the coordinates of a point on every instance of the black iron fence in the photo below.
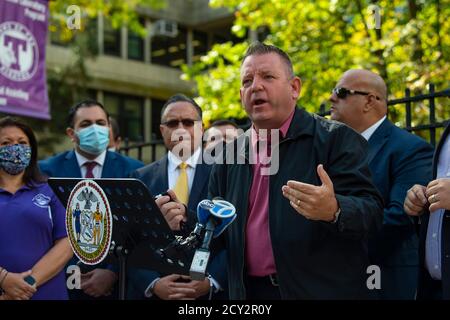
(407, 101)
(152, 145)
(432, 122)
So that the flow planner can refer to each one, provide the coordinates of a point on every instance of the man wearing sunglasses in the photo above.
(398, 160)
(184, 176)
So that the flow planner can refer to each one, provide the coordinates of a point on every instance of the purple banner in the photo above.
(23, 35)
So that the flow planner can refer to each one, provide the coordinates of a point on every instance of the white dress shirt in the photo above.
(369, 131)
(173, 171)
(97, 171)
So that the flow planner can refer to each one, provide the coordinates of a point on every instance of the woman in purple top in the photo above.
(33, 242)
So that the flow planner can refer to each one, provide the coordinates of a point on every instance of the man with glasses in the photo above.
(183, 175)
(398, 160)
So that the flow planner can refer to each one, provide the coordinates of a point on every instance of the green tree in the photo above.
(325, 38)
(119, 12)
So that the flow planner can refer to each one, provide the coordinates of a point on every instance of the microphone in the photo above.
(215, 215)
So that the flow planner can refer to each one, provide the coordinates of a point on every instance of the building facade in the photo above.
(133, 76)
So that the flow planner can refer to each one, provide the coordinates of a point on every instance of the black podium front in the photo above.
(139, 231)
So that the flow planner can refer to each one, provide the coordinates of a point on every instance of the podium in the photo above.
(138, 229)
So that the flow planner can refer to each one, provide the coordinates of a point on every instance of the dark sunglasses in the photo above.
(342, 93)
(188, 123)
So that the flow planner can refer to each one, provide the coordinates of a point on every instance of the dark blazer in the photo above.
(155, 176)
(425, 288)
(397, 160)
(65, 165)
(314, 259)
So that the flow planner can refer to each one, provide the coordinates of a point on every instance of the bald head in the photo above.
(365, 80)
(366, 105)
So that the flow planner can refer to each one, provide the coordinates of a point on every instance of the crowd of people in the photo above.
(318, 201)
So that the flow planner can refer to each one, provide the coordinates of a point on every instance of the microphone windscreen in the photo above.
(203, 211)
(222, 209)
(224, 223)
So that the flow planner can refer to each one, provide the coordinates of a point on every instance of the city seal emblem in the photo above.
(89, 222)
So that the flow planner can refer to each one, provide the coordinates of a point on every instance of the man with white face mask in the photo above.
(88, 128)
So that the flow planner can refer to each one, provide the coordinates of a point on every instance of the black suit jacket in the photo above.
(155, 177)
(425, 281)
(314, 259)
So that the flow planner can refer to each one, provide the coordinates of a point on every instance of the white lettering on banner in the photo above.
(34, 15)
(17, 93)
(33, 5)
(3, 101)
(2, 90)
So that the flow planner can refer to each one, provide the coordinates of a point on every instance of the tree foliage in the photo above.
(118, 12)
(324, 39)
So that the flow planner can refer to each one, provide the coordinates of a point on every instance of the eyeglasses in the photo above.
(342, 93)
(188, 123)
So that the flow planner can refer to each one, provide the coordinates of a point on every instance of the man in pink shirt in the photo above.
(304, 198)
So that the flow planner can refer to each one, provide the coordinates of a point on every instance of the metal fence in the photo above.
(140, 147)
(407, 101)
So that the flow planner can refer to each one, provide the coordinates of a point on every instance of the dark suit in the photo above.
(397, 160)
(155, 176)
(65, 165)
(429, 288)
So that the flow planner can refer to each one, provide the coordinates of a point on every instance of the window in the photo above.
(129, 113)
(168, 51)
(135, 45)
(200, 45)
(157, 106)
(224, 35)
(111, 39)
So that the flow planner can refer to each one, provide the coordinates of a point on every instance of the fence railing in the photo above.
(140, 147)
(407, 101)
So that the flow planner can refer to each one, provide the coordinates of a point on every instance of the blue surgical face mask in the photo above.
(15, 158)
(93, 139)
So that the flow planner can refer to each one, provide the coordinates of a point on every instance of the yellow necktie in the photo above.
(181, 188)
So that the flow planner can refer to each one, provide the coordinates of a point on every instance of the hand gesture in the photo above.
(313, 202)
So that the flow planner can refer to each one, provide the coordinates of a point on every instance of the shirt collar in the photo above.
(100, 160)
(192, 161)
(283, 129)
(369, 131)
